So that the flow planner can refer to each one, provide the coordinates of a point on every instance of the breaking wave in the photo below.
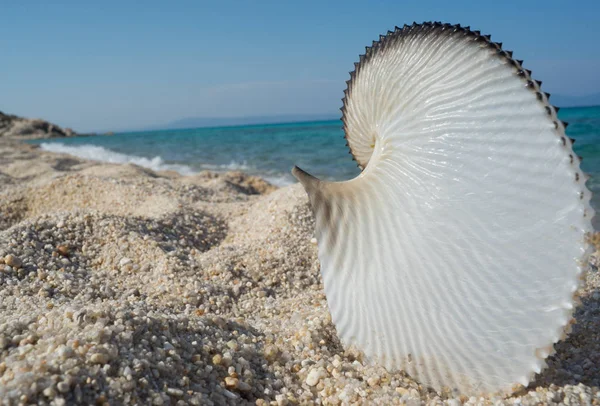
(101, 154)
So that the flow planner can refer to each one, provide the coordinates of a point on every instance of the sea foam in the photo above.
(101, 154)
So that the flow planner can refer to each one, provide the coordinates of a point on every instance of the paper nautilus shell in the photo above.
(456, 254)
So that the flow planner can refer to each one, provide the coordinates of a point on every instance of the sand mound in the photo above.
(120, 285)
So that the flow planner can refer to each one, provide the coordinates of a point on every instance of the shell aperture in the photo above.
(456, 254)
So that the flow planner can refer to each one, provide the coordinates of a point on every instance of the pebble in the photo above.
(373, 381)
(63, 387)
(99, 359)
(124, 261)
(402, 391)
(271, 353)
(49, 392)
(244, 387)
(314, 376)
(13, 261)
(175, 392)
(230, 395)
(231, 382)
(281, 400)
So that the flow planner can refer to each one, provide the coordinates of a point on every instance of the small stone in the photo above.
(124, 261)
(13, 261)
(373, 381)
(127, 372)
(63, 387)
(63, 250)
(231, 382)
(227, 360)
(271, 353)
(337, 362)
(99, 359)
(168, 346)
(314, 376)
(281, 400)
(402, 391)
(217, 359)
(175, 392)
(49, 392)
(313, 241)
(230, 395)
(244, 387)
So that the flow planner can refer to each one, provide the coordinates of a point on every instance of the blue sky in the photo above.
(119, 65)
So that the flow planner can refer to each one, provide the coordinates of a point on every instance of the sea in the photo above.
(271, 150)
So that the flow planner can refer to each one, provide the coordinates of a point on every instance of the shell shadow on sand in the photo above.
(577, 358)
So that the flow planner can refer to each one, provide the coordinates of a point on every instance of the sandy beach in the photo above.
(121, 285)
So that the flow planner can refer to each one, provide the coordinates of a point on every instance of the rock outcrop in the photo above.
(12, 126)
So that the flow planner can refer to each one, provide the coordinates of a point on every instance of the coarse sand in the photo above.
(121, 285)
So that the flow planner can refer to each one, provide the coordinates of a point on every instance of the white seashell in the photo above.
(456, 253)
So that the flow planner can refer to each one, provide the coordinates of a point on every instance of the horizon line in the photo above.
(256, 124)
(210, 126)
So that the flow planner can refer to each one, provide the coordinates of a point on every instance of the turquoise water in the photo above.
(272, 150)
(266, 150)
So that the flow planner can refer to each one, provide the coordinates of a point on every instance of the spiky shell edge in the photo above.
(534, 86)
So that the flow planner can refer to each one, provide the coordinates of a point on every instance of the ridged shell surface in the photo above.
(456, 254)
